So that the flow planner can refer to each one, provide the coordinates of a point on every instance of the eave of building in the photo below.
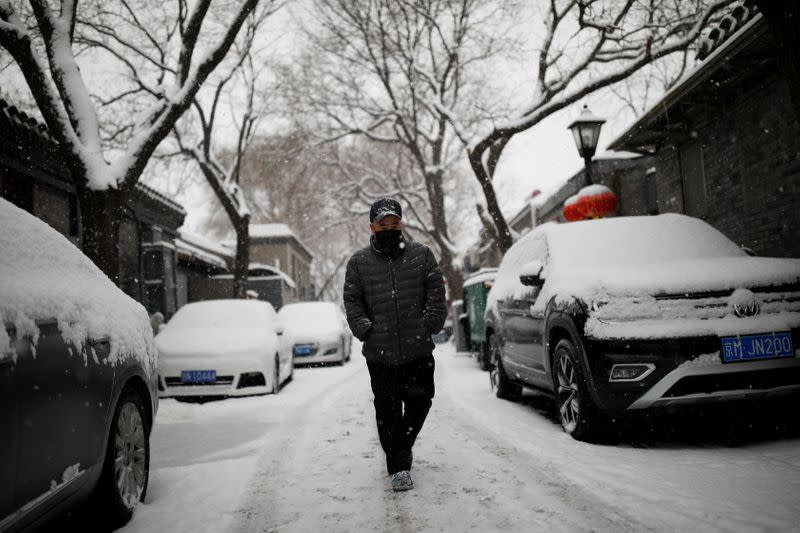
(34, 130)
(283, 239)
(653, 126)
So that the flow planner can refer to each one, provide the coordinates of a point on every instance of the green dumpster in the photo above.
(476, 290)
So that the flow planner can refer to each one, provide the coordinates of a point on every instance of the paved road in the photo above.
(308, 459)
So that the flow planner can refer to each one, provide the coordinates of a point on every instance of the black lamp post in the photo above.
(586, 130)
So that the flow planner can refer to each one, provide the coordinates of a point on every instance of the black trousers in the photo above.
(403, 397)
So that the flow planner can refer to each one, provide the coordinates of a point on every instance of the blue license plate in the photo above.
(302, 350)
(198, 376)
(753, 347)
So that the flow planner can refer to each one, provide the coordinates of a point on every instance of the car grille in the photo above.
(749, 380)
(221, 381)
(702, 306)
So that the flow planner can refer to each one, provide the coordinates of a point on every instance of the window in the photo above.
(651, 192)
(159, 279)
(693, 179)
(17, 189)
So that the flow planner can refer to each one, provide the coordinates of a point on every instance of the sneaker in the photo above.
(402, 481)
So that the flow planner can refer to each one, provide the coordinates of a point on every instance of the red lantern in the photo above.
(593, 201)
(573, 210)
(596, 201)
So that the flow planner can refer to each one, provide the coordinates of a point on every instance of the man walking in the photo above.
(394, 297)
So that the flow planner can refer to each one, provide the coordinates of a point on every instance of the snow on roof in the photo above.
(45, 277)
(616, 154)
(194, 245)
(275, 271)
(159, 197)
(268, 231)
(276, 230)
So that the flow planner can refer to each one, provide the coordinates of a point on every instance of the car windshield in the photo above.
(625, 241)
(223, 314)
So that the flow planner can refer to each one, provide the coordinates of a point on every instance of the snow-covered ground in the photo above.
(308, 459)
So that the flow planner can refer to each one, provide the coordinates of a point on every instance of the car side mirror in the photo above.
(161, 327)
(531, 274)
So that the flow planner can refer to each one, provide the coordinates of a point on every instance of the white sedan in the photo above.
(315, 332)
(222, 348)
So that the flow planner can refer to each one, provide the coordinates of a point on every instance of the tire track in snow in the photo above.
(323, 468)
(574, 507)
(325, 471)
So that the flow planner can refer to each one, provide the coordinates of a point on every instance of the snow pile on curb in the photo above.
(45, 277)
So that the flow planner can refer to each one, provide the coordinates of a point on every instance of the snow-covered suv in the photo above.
(629, 313)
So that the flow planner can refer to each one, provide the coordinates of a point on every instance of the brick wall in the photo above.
(751, 159)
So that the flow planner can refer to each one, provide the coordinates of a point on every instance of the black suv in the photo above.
(628, 313)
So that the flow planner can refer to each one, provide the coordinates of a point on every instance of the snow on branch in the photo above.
(614, 40)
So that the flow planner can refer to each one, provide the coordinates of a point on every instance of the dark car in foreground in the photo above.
(625, 314)
(77, 382)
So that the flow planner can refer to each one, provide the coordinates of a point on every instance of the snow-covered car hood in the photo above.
(671, 277)
(188, 342)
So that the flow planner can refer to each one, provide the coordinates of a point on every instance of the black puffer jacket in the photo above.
(394, 304)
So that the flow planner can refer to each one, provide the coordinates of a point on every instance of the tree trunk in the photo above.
(100, 213)
(502, 233)
(242, 260)
(455, 279)
(783, 19)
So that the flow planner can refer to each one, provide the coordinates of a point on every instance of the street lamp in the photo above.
(586, 130)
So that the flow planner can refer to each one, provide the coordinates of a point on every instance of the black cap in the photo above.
(383, 207)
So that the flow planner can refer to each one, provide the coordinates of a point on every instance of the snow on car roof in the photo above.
(224, 314)
(633, 240)
(662, 254)
(309, 310)
(45, 277)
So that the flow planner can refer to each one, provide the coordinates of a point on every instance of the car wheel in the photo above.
(483, 356)
(578, 414)
(502, 386)
(276, 376)
(126, 468)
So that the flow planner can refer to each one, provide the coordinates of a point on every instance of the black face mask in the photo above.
(388, 241)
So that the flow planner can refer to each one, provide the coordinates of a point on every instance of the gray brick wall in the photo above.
(751, 158)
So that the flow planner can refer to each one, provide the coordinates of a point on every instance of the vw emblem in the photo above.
(744, 303)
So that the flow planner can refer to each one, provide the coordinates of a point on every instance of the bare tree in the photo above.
(221, 166)
(288, 178)
(588, 45)
(638, 91)
(398, 73)
(166, 57)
